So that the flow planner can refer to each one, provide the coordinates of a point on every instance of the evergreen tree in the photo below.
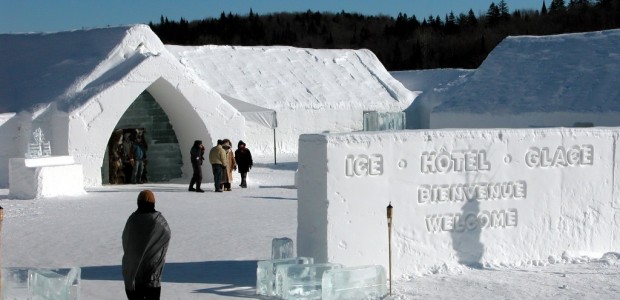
(504, 12)
(493, 15)
(471, 18)
(399, 42)
(557, 7)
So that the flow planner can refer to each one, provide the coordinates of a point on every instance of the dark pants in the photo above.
(217, 176)
(196, 176)
(127, 171)
(244, 175)
(144, 293)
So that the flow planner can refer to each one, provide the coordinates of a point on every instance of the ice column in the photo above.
(266, 273)
(365, 282)
(282, 248)
(301, 281)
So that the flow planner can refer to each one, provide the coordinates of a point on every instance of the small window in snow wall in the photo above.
(382, 121)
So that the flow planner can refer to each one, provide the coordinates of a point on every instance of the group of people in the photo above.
(128, 157)
(146, 235)
(223, 162)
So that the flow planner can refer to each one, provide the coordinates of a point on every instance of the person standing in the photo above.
(141, 139)
(196, 156)
(217, 158)
(243, 157)
(145, 243)
(138, 164)
(127, 156)
(230, 165)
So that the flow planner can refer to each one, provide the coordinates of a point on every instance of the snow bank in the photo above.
(473, 197)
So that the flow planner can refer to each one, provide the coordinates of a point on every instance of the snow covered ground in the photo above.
(217, 239)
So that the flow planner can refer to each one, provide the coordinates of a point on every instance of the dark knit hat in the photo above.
(146, 196)
(240, 143)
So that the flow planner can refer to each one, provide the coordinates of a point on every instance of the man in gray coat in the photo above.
(145, 243)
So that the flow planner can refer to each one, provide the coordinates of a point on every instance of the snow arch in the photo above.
(188, 107)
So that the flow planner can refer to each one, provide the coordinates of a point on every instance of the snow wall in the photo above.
(496, 197)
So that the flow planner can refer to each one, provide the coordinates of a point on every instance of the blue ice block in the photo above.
(301, 281)
(14, 284)
(364, 282)
(266, 273)
(54, 284)
(282, 248)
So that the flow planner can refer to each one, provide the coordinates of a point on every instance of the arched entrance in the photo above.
(143, 119)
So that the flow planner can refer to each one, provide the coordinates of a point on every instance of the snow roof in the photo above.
(560, 73)
(68, 68)
(285, 78)
(40, 68)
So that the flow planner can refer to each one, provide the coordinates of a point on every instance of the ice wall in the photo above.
(472, 197)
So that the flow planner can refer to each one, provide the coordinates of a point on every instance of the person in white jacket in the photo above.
(145, 242)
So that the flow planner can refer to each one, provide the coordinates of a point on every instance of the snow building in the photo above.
(568, 80)
(312, 90)
(89, 89)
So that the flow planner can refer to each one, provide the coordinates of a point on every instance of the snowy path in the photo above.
(218, 237)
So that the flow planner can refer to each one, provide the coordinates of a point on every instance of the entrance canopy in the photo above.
(254, 113)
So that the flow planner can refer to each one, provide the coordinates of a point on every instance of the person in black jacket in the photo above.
(196, 156)
(243, 157)
(145, 242)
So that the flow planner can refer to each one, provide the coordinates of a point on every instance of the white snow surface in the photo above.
(526, 81)
(218, 237)
(287, 78)
(561, 73)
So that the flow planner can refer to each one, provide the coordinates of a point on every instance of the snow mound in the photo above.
(561, 73)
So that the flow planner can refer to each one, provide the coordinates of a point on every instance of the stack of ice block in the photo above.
(54, 284)
(14, 284)
(266, 273)
(282, 248)
(365, 282)
(301, 281)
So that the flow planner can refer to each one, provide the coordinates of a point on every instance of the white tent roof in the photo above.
(254, 113)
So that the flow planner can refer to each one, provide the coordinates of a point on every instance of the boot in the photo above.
(243, 183)
(191, 185)
(198, 189)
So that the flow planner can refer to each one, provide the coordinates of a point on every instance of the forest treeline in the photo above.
(404, 42)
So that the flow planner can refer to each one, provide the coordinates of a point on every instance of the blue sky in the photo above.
(61, 15)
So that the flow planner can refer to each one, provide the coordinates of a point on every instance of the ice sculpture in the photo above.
(40, 148)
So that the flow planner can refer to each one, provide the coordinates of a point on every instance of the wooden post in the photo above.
(389, 221)
(274, 147)
(1, 217)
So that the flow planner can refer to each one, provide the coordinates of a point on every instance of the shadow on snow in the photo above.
(238, 278)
